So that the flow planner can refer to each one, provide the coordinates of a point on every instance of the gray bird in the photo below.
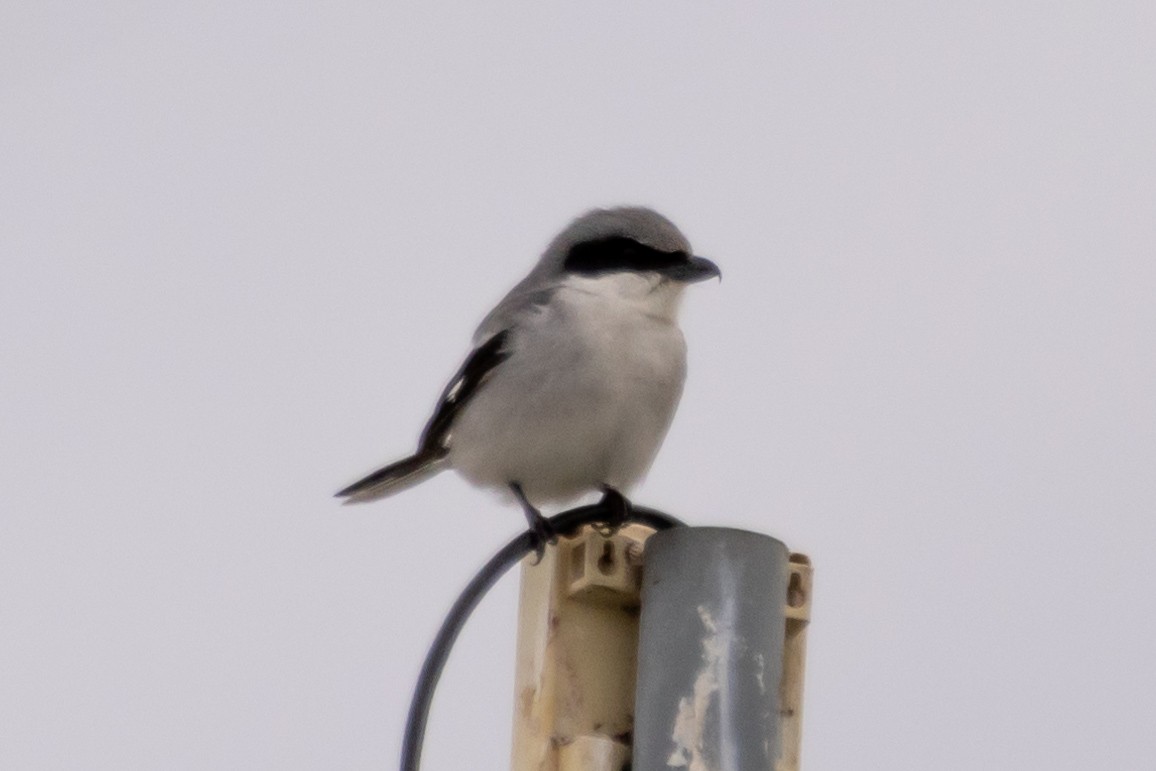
(574, 377)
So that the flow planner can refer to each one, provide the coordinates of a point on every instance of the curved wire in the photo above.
(565, 523)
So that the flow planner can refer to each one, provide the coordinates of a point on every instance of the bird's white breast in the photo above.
(587, 395)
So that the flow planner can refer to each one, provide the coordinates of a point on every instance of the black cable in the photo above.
(565, 523)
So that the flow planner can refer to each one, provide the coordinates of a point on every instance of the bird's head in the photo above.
(630, 251)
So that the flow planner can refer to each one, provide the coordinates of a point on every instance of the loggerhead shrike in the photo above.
(574, 376)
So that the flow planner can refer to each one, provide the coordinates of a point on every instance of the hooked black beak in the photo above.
(694, 269)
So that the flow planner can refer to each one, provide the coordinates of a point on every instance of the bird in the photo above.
(573, 378)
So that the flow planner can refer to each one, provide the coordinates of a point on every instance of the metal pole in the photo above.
(710, 654)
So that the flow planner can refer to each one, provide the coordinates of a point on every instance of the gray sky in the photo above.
(242, 246)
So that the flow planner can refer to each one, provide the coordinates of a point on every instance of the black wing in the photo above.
(463, 386)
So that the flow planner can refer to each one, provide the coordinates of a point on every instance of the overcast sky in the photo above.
(244, 244)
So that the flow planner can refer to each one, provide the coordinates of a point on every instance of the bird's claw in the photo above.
(618, 511)
(542, 533)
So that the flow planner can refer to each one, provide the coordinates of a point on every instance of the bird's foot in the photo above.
(541, 531)
(541, 534)
(618, 511)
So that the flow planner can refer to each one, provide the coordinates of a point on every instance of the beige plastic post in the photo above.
(577, 643)
(798, 613)
(577, 648)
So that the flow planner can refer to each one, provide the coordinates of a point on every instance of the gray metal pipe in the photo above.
(710, 651)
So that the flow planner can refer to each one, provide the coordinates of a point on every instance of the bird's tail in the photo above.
(395, 477)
